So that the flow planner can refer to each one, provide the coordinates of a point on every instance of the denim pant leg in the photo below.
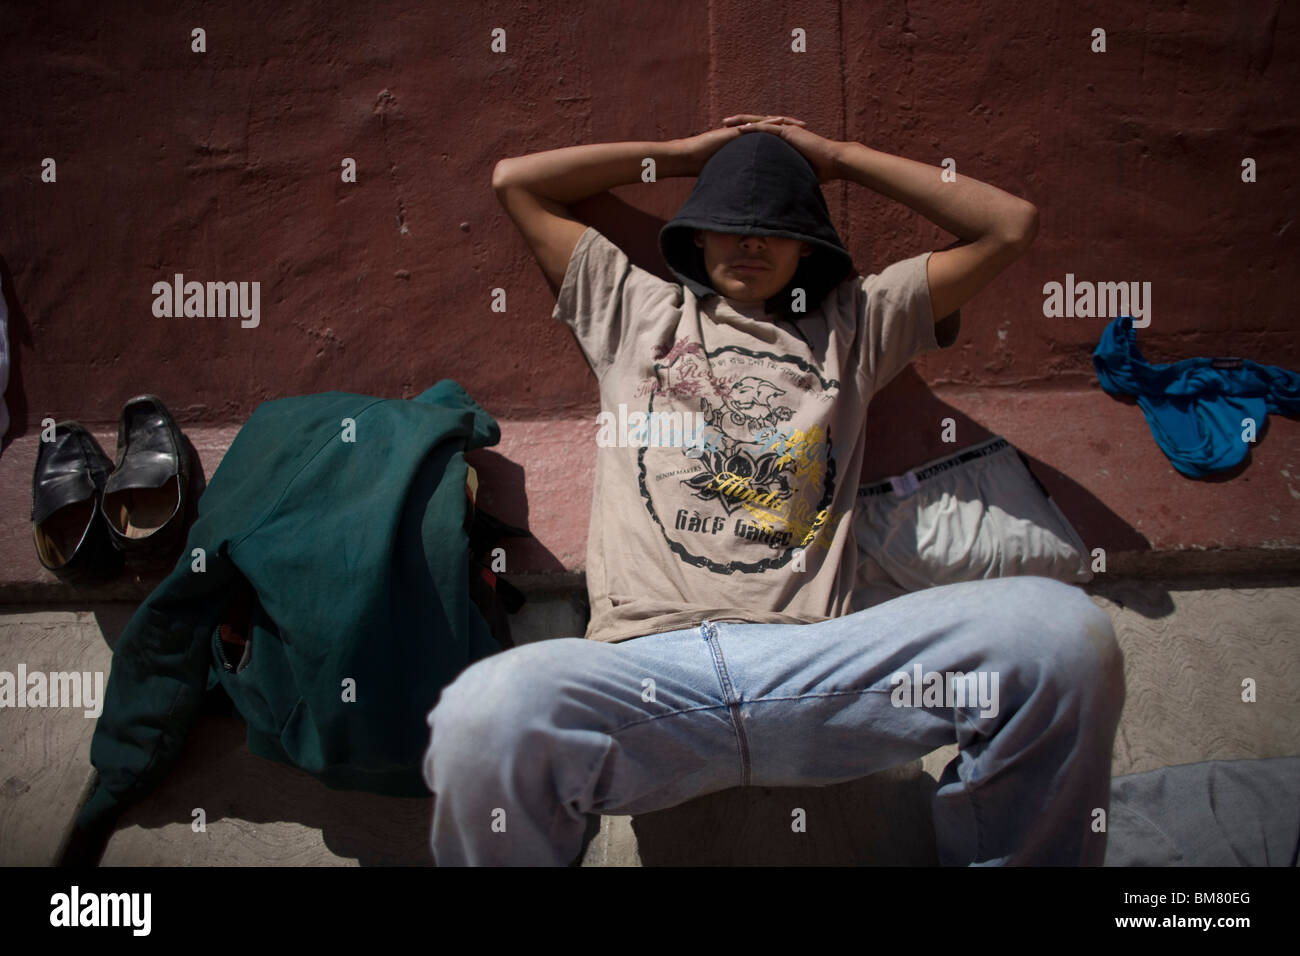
(819, 704)
(526, 743)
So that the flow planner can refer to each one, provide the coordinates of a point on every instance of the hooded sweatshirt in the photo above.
(729, 440)
(759, 185)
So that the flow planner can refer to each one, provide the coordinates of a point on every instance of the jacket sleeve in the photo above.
(157, 682)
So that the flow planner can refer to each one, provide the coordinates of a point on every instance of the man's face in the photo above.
(727, 256)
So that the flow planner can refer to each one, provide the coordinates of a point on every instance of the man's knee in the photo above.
(1083, 653)
(499, 690)
(1065, 639)
(496, 699)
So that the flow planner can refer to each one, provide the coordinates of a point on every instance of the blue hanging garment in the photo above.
(1197, 407)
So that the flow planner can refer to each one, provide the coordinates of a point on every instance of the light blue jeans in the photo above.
(526, 743)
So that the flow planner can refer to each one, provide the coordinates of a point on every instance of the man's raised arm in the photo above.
(997, 226)
(536, 189)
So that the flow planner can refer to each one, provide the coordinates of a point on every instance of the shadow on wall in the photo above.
(902, 432)
(632, 230)
(504, 495)
(20, 334)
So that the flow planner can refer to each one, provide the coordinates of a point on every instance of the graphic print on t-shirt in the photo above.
(757, 484)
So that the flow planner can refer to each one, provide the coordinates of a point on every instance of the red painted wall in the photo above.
(225, 166)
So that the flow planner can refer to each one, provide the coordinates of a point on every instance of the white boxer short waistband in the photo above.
(978, 513)
(909, 481)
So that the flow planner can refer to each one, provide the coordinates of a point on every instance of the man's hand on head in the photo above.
(822, 154)
(697, 149)
(744, 119)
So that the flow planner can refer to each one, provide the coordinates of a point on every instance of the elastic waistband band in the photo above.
(909, 481)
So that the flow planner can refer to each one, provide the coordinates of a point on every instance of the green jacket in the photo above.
(357, 553)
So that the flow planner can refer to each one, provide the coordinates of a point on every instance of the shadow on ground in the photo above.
(883, 819)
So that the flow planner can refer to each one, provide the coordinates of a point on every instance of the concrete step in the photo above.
(1188, 643)
(1094, 454)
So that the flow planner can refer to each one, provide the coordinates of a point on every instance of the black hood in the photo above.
(758, 184)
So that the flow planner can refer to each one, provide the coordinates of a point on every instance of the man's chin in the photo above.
(740, 292)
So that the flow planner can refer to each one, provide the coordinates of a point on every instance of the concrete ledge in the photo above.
(1094, 454)
(1187, 643)
(1163, 564)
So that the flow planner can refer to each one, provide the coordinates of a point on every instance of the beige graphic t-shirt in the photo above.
(728, 446)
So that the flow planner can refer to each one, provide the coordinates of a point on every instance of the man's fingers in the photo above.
(743, 118)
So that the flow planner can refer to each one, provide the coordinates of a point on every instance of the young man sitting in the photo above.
(723, 648)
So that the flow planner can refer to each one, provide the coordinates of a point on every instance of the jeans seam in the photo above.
(756, 700)
(972, 785)
(833, 693)
(733, 702)
(672, 713)
(979, 821)
(562, 804)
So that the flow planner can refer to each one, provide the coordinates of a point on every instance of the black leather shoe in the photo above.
(71, 536)
(146, 498)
